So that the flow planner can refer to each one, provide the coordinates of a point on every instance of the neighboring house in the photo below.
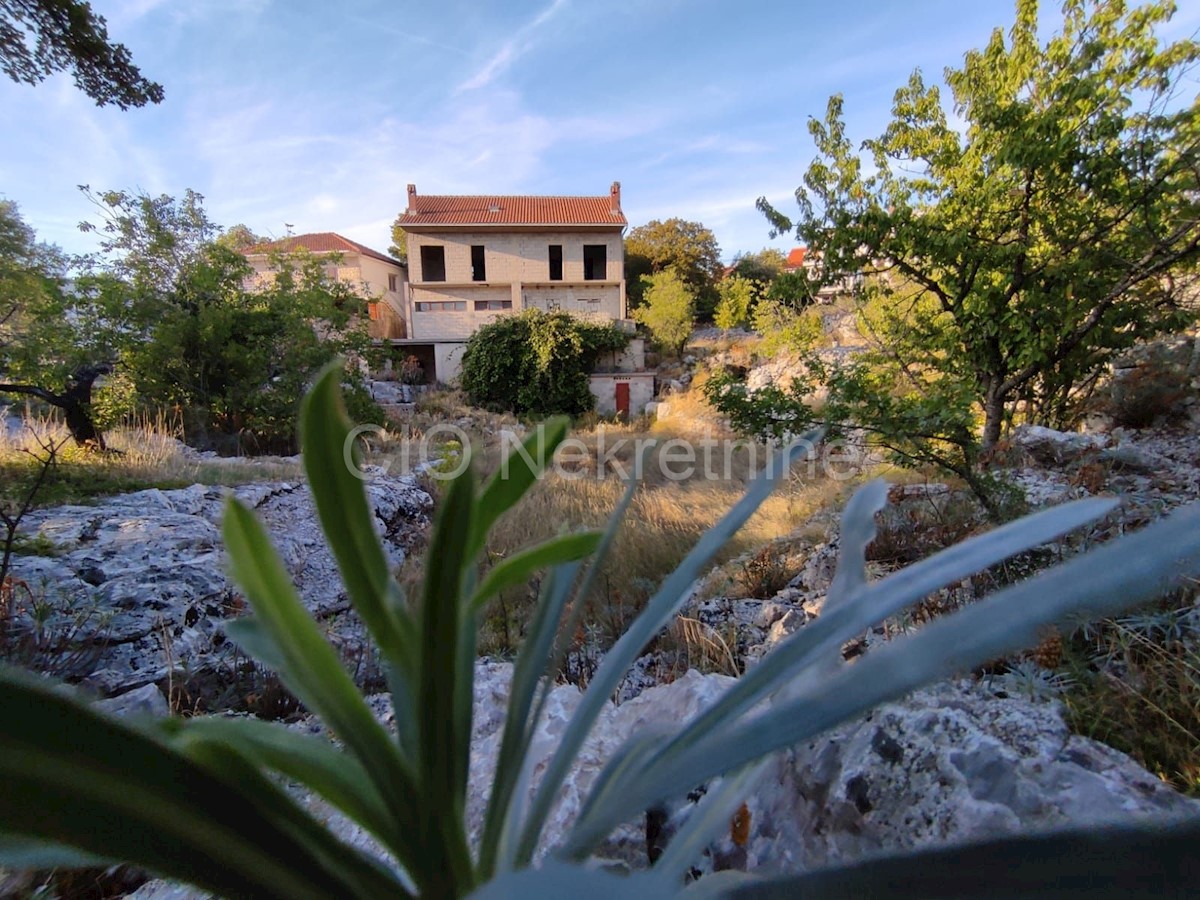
(795, 259)
(474, 258)
(800, 259)
(378, 277)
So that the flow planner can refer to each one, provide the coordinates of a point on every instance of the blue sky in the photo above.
(318, 114)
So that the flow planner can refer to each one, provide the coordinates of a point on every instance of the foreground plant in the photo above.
(198, 800)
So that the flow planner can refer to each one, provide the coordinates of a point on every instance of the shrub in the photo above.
(536, 362)
(195, 800)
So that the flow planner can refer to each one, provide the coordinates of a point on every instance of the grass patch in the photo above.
(148, 455)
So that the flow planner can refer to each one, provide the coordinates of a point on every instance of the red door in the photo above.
(623, 399)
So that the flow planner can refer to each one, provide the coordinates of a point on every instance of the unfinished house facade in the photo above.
(474, 258)
(383, 281)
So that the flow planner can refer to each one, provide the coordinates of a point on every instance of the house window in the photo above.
(483, 305)
(442, 306)
(478, 270)
(433, 263)
(393, 281)
(595, 262)
(556, 262)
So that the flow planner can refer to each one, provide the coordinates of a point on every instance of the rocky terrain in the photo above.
(132, 592)
(961, 760)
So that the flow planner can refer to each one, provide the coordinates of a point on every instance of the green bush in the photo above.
(198, 799)
(536, 363)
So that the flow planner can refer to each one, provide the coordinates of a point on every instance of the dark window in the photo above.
(482, 305)
(595, 262)
(393, 280)
(478, 270)
(442, 306)
(556, 262)
(433, 263)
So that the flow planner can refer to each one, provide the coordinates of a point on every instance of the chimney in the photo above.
(615, 191)
(412, 198)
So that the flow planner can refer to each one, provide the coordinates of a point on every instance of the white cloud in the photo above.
(512, 50)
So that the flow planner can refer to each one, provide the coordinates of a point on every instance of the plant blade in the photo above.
(520, 567)
(133, 798)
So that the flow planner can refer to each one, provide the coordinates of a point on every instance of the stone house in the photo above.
(379, 278)
(474, 258)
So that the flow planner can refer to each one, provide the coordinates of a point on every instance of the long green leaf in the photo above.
(310, 668)
(1106, 580)
(18, 852)
(1148, 861)
(851, 615)
(133, 798)
(444, 676)
(310, 760)
(347, 519)
(520, 567)
(500, 818)
(516, 475)
(658, 612)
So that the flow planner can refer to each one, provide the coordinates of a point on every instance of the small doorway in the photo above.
(622, 388)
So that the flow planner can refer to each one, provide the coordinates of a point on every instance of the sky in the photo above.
(318, 114)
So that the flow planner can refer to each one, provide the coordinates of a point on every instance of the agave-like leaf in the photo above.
(308, 759)
(1104, 581)
(658, 612)
(348, 522)
(516, 475)
(851, 615)
(1149, 861)
(73, 777)
(445, 681)
(310, 668)
(521, 566)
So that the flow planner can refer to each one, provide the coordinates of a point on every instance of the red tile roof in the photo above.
(796, 258)
(431, 209)
(321, 242)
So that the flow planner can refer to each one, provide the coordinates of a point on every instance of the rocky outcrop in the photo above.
(136, 586)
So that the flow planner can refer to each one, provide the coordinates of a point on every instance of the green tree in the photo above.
(240, 238)
(536, 362)
(41, 37)
(54, 342)
(200, 336)
(399, 248)
(763, 267)
(733, 307)
(1008, 259)
(669, 310)
(688, 247)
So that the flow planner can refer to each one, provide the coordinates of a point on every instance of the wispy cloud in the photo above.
(511, 50)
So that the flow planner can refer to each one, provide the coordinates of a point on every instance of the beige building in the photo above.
(379, 278)
(473, 258)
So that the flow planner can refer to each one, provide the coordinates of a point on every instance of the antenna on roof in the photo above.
(288, 226)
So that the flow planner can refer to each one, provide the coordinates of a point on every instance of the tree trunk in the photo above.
(75, 402)
(993, 419)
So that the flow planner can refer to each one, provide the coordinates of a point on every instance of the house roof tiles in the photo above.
(321, 242)
(433, 209)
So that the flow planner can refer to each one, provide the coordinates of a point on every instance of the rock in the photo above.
(141, 576)
(1048, 446)
(147, 700)
(791, 622)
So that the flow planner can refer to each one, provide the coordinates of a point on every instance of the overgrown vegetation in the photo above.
(234, 830)
(173, 315)
(536, 363)
(1008, 260)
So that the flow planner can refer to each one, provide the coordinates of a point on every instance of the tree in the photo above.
(41, 37)
(399, 248)
(536, 362)
(53, 344)
(240, 238)
(1008, 261)
(764, 266)
(688, 247)
(737, 297)
(669, 310)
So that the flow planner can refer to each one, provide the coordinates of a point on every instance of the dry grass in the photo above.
(145, 455)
